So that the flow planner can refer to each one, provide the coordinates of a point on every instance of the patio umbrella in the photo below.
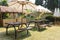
(8, 9)
(42, 9)
(22, 6)
(56, 13)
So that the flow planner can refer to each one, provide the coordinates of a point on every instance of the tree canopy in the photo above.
(52, 4)
(4, 3)
(38, 2)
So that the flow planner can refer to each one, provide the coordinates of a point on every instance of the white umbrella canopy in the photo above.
(22, 6)
(8, 9)
(56, 12)
(42, 9)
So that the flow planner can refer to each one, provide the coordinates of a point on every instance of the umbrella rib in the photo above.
(32, 6)
(32, 3)
(13, 0)
(13, 4)
(19, 6)
(25, 6)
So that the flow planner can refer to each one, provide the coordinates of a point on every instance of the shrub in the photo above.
(50, 18)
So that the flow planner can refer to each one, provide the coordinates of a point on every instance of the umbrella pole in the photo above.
(22, 13)
(22, 17)
(22, 8)
(13, 17)
(16, 18)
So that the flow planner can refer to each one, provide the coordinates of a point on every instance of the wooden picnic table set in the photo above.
(20, 29)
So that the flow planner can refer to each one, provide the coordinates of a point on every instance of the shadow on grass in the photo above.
(23, 35)
(42, 29)
(4, 36)
(1, 27)
(11, 36)
(35, 29)
(20, 35)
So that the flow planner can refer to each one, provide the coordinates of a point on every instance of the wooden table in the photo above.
(13, 24)
(37, 23)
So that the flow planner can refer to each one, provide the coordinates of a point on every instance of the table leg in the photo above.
(7, 30)
(35, 25)
(15, 32)
(27, 31)
(38, 27)
(27, 25)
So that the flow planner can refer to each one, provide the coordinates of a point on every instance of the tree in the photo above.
(38, 2)
(56, 3)
(59, 3)
(44, 3)
(0, 3)
(4, 3)
(52, 4)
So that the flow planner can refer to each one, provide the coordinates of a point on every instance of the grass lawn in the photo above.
(51, 33)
